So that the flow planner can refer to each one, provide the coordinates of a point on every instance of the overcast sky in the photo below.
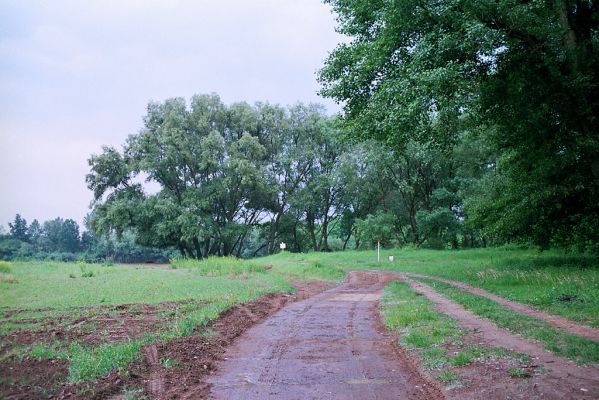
(76, 75)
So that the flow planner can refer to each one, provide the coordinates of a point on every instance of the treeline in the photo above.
(60, 240)
(240, 179)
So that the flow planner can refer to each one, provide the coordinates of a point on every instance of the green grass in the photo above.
(412, 314)
(557, 341)
(88, 363)
(449, 377)
(48, 285)
(219, 266)
(304, 267)
(559, 283)
(51, 290)
(430, 334)
(5, 267)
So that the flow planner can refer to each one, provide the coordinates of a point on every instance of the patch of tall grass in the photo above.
(5, 267)
(219, 266)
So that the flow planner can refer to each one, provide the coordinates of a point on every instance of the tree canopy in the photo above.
(238, 179)
(518, 77)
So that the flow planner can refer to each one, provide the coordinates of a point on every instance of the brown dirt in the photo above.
(192, 358)
(330, 346)
(561, 379)
(556, 321)
(31, 379)
(93, 325)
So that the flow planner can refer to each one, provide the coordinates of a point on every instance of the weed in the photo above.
(90, 363)
(85, 271)
(219, 266)
(40, 351)
(518, 373)
(449, 377)
(434, 357)
(169, 363)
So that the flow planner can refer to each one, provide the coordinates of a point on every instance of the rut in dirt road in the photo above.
(331, 346)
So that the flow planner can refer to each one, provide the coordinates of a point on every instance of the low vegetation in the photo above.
(434, 336)
(560, 283)
(189, 293)
(557, 341)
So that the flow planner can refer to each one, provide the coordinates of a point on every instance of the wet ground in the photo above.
(330, 346)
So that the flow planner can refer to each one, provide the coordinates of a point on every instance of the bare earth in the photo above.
(330, 346)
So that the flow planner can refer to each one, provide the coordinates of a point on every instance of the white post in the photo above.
(378, 251)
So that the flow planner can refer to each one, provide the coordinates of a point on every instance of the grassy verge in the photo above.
(557, 341)
(559, 283)
(431, 333)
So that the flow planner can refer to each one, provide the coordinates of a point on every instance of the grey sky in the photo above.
(75, 75)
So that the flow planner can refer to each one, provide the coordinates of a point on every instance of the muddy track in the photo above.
(330, 346)
(561, 379)
(556, 321)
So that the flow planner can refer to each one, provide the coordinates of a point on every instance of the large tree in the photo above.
(523, 74)
(224, 172)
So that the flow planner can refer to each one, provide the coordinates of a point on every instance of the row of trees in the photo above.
(60, 239)
(485, 120)
(238, 179)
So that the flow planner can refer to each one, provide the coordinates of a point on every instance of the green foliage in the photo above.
(18, 228)
(422, 327)
(560, 283)
(41, 351)
(517, 79)
(5, 267)
(449, 377)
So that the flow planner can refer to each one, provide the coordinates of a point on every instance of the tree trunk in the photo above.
(196, 244)
(311, 230)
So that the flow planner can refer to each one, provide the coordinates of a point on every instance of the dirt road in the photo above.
(330, 346)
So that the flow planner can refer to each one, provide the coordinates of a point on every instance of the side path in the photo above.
(561, 379)
(330, 346)
(554, 320)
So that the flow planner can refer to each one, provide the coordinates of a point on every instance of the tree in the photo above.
(211, 171)
(18, 228)
(522, 74)
(61, 235)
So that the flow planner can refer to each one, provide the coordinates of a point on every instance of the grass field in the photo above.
(187, 293)
(440, 344)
